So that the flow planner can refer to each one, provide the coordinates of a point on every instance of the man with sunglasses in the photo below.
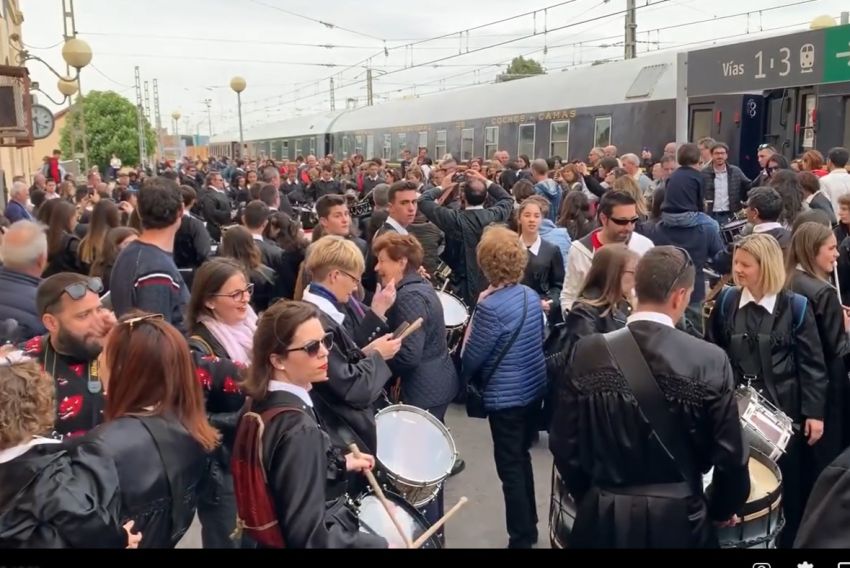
(70, 308)
(618, 216)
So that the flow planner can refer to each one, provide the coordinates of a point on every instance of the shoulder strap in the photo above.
(727, 295)
(485, 381)
(651, 401)
(197, 343)
(170, 459)
(798, 309)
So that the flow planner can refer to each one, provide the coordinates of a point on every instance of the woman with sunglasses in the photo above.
(156, 430)
(356, 376)
(772, 339)
(305, 474)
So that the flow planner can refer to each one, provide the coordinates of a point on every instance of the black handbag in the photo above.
(475, 389)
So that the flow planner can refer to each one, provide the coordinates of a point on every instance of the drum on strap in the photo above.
(374, 520)
(766, 428)
(416, 453)
(761, 517)
(731, 230)
(456, 316)
(562, 512)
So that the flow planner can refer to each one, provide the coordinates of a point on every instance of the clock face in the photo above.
(42, 122)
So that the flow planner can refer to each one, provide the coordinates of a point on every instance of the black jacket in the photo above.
(822, 202)
(146, 495)
(827, 515)
(428, 376)
(584, 320)
(67, 259)
(307, 479)
(192, 243)
(603, 447)
(544, 273)
(798, 370)
(738, 185)
(431, 238)
(216, 208)
(52, 499)
(17, 302)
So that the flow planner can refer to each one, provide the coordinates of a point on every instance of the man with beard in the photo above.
(70, 309)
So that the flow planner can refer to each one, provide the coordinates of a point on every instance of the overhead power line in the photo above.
(326, 24)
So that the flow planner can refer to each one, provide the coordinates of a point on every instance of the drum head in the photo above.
(414, 445)
(374, 520)
(454, 311)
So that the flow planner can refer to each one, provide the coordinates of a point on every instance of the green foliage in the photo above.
(522, 66)
(111, 128)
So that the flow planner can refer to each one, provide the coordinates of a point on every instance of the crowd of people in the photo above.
(241, 320)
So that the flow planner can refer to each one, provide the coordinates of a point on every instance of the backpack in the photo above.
(256, 515)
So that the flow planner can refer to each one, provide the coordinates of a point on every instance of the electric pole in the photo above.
(140, 109)
(631, 27)
(369, 86)
(208, 103)
(333, 100)
(147, 102)
(157, 118)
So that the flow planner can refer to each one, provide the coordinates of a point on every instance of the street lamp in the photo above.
(176, 116)
(238, 85)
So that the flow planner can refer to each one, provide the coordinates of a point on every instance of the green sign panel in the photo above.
(837, 55)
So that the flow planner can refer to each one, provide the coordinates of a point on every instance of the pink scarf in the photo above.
(237, 340)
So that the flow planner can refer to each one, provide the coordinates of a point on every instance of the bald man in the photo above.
(24, 255)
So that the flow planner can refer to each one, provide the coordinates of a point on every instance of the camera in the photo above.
(459, 177)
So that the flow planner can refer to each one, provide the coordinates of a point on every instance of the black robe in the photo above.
(52, 499)
(544, 273)
(605, 452)
(827, 515)
(306, 478)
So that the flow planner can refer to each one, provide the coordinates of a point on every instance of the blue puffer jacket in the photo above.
(521, 376)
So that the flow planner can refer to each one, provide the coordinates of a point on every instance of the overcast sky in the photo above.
(194, 47)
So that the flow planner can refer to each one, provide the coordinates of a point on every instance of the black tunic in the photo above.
(827, 515)
(544, 273)
(606, 454)
(51, 499)
(306, 478)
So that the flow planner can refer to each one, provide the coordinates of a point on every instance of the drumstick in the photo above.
(411, 328)
(436, 526)
(381, 497)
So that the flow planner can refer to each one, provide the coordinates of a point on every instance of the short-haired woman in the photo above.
(156, 430)
(356, 376)
(49, 498)
(504, 347)
(306, 474)
(760, 316)
(811, 259)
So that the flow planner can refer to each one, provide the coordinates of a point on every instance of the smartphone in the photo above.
(400, 330)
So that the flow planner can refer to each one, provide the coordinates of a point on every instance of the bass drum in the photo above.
(375, 520)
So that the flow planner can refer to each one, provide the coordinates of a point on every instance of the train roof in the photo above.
(649, 77)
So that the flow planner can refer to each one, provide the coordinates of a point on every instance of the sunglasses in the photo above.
(687, 264)
(78, 290)
(312, 348)
(624, 222)
(132, 322)
(764, 146)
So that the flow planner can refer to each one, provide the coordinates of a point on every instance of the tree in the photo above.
(521, 67)
(111, 128)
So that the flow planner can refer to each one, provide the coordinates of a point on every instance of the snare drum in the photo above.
(456, 316)
(766, 428)
(761, 516)
(374, 520)
(731, 230)
(416, 453)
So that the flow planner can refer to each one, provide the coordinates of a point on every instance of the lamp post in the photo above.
(176, 116)
(238, 85)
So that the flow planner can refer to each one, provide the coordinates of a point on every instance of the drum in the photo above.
(766, 428)
(731, 230)
(456, 316)
(375, 520)
(761, 516)
(416, 453)
(562, 512)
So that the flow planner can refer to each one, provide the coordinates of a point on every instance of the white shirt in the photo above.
(9, 454)
(835, 184)
(257, 237)
(768, 302)
(395, 225)
(764, 227)
(473, 207)
(535, 246)
(656, 317)
(323, 304)
(300, 392)
(721, 190)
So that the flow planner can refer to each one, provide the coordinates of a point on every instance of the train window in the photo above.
(402, 143)
(526, 140)
(370, 146)
(346, 146)
(467, 143)
(388, 147)
(284, 151)
(440, 145)
(809, 102)
(358, 144)
(423, 139)
(601, 132)
(559, 139)
(491, 141)
(297, 147)
(313, 145)
(701, 123)
(847, 123)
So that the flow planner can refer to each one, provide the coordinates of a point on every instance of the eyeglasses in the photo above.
(353, 278)
(238, 294)
(133, 322)
(624, 222)
(312, 348)
(687, 264)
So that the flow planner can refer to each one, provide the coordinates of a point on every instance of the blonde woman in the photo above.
(771, 336)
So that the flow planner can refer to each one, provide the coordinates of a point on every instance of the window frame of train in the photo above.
(387, 149)
(284, 150)
(346, 146)
(401, 143)
(298, 148)
(358, 144)
(697, 115)
(423, 140)
(491, 144)
(370, 146)
(565, 142)
(463, 140)
(519, 145)
(597, 142)
(440, 134)
(313, 145)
